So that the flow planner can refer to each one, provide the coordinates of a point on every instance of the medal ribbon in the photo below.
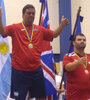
(29, 36)
(85, 65)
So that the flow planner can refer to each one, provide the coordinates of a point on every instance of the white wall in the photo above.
(14, 15)
(85, 12)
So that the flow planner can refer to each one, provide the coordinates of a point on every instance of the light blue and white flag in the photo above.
(5, 61)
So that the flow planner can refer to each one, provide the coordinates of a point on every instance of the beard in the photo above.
(81, 47)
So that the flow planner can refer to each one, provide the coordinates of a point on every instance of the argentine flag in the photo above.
(5, 61)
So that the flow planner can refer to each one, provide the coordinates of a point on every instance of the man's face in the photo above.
(28, 16)
(80, 42)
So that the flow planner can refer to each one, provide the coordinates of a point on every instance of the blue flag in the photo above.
(78, 30)
(5, 61)
(78, 27)
(47, 58)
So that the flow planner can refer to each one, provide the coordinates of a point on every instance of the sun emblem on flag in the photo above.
(4, 48)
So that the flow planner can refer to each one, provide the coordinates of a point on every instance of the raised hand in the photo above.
(64, 21)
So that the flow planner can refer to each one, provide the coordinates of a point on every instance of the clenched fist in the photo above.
(64, 21)
(82, 60)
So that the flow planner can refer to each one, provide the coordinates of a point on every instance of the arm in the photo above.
(58, 31)
(2, 30)
(73, 65)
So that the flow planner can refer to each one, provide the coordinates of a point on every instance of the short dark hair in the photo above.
(27, 7)
(80, 34)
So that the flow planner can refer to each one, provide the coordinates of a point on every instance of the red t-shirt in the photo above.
(78, 82)
(23, 57)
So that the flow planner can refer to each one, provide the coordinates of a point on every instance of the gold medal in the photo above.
(86, 71)
(30, 45)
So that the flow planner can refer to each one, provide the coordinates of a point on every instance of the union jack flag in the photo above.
(47, 58)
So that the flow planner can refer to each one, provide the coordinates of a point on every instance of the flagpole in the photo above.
(60, 85)
(74, 30)
(41, 13)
